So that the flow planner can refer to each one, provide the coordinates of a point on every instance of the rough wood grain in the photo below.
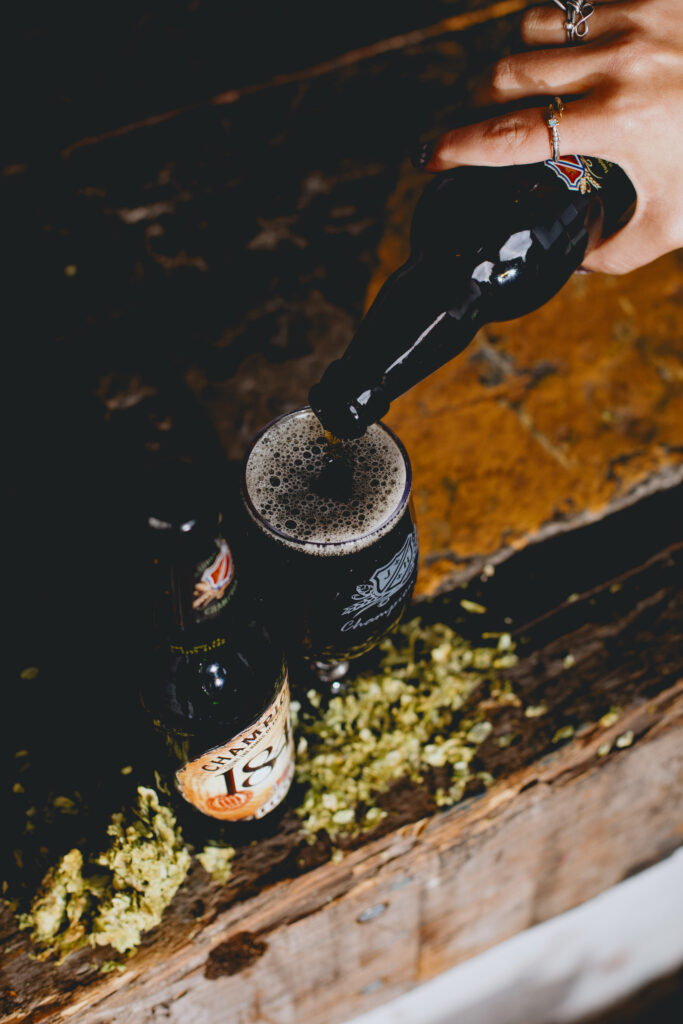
(401, 909)
(560, 824)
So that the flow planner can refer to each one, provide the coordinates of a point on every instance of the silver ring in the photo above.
(576, 15)
(555, 112)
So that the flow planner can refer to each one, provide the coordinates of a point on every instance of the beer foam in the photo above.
(287, 459)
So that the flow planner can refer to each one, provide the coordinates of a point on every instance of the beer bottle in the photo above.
(217, 688)
(487, 244)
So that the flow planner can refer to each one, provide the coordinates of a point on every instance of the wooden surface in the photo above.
(401, 909)
(185, 263)
(561, 822)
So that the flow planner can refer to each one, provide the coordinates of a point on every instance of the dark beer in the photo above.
(218, 688)
(487, 244)
(339, 564)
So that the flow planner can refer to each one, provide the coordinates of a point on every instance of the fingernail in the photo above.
(583, 270)
(422, 155)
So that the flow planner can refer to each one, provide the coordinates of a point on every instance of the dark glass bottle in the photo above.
(217, 688)
(487, 244)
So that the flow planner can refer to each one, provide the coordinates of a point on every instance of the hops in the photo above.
(145, 864)
(407, 718)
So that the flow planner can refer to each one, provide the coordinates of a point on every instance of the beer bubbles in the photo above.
(314, 492)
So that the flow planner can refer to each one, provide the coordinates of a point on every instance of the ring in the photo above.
(555, 112)
(576, 15)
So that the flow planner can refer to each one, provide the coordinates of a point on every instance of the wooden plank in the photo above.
(406, 907)
(558, 826)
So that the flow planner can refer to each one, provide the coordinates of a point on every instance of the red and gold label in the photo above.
(579, 173)
(248, 776)
(215, 576)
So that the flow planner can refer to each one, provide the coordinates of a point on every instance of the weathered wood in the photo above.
(557, 827)
(402, 909)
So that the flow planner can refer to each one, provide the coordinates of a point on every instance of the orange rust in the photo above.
(588, 405)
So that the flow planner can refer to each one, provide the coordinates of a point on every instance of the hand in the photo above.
(628, 80)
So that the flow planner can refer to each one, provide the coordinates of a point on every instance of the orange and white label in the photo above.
(248, 776)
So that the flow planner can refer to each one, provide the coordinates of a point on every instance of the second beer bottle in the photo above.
(217, 688)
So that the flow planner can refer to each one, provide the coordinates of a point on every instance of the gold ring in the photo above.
(555, 112)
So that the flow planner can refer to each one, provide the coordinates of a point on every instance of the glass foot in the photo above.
(332, 672)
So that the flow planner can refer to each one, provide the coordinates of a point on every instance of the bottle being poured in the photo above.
(487, 244)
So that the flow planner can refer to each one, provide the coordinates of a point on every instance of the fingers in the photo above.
(544, 72)
(544, 26)
(520, 137)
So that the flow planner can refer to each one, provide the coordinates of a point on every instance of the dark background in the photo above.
(171, 261)
(177, 272)
(80, 69)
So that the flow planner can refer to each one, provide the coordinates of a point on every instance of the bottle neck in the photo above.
(423, 316)
(196, 583)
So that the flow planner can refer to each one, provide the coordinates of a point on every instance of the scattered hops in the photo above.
(418, 712)
(415, 713)
(217, 862)
(145, 864)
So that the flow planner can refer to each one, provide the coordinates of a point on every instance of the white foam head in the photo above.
(286, 460)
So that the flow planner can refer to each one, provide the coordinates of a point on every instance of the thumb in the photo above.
(645, 238)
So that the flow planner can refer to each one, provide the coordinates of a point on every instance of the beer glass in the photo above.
(337, 570)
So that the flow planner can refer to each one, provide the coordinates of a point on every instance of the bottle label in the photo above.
(579, 173)
(213, 578)
(387, 582)
(250, 775)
